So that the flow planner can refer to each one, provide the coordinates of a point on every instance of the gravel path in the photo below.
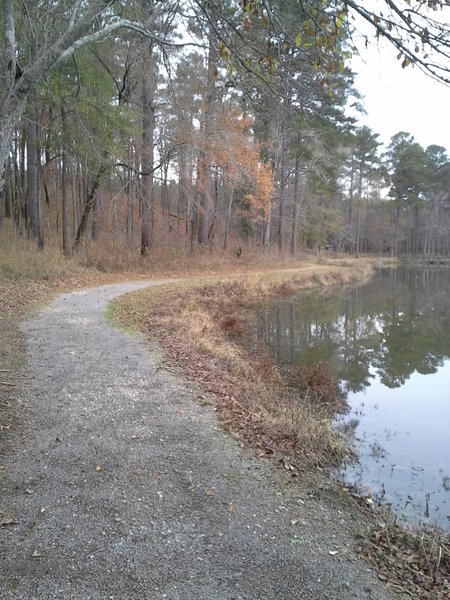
(124, 486)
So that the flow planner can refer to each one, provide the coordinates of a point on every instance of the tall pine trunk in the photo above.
(397, 228)
(295, 210)
(204, 185)
(148, 132)
(65, 239)
(82, 227)
(33, 205)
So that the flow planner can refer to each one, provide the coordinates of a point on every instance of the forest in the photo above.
(212, 126)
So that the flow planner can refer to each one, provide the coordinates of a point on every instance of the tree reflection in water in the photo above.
(388, 343)
(394, 326)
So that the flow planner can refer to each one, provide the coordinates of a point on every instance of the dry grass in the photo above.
(201, 325)
(111, 255)
(27, 276)
(209, 317)
(418, 561)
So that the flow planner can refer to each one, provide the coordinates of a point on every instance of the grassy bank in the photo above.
(28, 279)
(201, 325)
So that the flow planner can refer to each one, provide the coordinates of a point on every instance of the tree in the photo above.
(278, 65)
(52, 32)
(437, 224)
(58, 30)
(363, 164)
(410, 176)
(418, 30)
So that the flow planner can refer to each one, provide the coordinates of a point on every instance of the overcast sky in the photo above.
(399, 99)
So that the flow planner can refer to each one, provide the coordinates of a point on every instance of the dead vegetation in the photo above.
(201, 329)
(415, 561)
(201, 326)
(28, 278)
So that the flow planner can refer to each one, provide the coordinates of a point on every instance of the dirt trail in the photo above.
(124, 486)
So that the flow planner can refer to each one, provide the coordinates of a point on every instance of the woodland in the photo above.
(211, 126)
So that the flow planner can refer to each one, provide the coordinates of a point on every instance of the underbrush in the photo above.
(418, 561)
(201, 327)
(174, 257)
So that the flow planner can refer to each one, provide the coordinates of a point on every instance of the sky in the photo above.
(399, 99)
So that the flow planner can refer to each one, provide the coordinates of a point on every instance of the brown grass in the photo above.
(418, 561)
(200, 326)
(255, 402)
(210, 317)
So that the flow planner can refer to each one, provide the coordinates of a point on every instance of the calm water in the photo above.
(389, 344)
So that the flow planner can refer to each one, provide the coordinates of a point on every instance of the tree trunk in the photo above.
(165, 189)
(204, 187)
(74, 173)
(11, 107)
(185, 184)
(282, 207)
(212, 227)
(16, 189)
(9, 52)
(266, 231)
(65, 243)
(148, 130)
(129, 210)
(8, 196)
(414, 233)
(227, 221)
(295, 210)
(397, 227)
(95, 231)
(32, 194)
(283, 169)
(88, 206)
(358, 228)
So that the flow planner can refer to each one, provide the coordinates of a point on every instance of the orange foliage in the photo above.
(238, 156)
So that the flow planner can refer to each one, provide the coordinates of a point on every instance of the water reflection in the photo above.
(389, 344)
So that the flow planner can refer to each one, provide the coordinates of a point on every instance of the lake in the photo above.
(388, 342)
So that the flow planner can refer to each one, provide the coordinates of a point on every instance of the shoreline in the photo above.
(292, 474)
(205, 365)
(200, 325)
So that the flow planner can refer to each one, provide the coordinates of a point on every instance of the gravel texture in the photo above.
(124, 486)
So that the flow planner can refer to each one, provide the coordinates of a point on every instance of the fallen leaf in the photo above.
(287, 465)
(298, 541)
(209, 493)
(7, 521)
